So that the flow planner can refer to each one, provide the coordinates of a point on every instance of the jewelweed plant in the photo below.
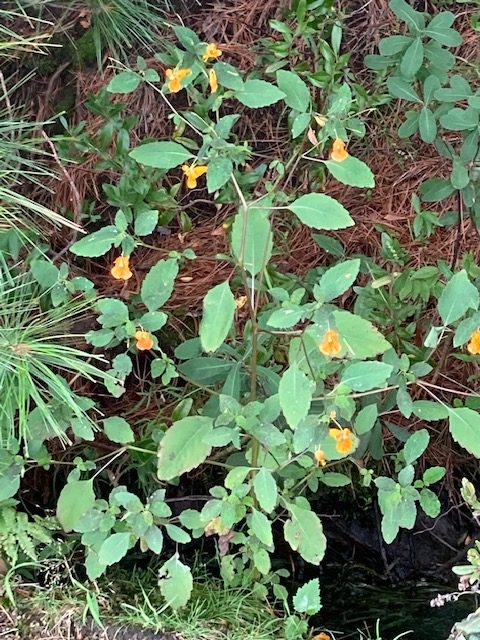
(292, 396)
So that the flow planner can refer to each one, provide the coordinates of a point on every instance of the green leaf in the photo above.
(265, 489)
(330, 245)
(157, 285)
(340, 101)
(97, 243)
(333, 479)
(406, 13)
(412, 59)
(361, 339)
(351, 171)
(433, 475)
(392, 45)
(459, 90)
(10, 481)
(118, 430)
(206, 370)
(366, 418)
(45, 273)
(439, 29)
(261, 560)
(427, 125)
(228, 76)
(363, 376)
(307, 598)
(297, 95)
(436, 189)
(153, 320)
(304, 533)
(416, 445)
(114, 548)
(460, 119)
(187, 38)
(153, 537)
(124, 82)
(258, 93)
(320, 211)
(218, 313)
(430, 85)
(175, 582)
(182, 447)
(399, 88)
(161, 155)
(406, 475)
(404, 402)
(219, 171)
(251, 239)
(338, 279)
(93, 567)
(429, 503)
(177, 534)
(376, 62)
(300, 123)
(76, 498)
(114, 313)
(409, 126)
(261, 527)
(458, 296)
(465, 429)
(295, 394)
(145, 222)
(459, 176)
(390, 525)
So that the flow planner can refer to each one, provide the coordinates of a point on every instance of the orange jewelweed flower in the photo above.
(144, 340)
(212, 51)
(338, 152)
(343, 438)
(193, 173)
(175, 77)
(121, 268)
(474, 345)
(330, 345)
(322, 636)
(320, 457)
(212, 79)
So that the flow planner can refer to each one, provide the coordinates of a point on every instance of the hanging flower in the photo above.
(330, 345)
(320, 457)
(121, 268)
(338, 152)
(212, 51)
(322, 636)
(212, 79)
(193, 173)
(144, 340)
(343, 438)
(474, 345)
(175, 77)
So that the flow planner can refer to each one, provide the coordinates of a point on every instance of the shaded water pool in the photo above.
(349, 607)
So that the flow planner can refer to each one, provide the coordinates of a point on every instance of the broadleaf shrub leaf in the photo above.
(218, 313)
(182, 447)
(319, 211)
(76, 498)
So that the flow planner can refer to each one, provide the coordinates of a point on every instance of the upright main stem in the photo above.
(253, 314)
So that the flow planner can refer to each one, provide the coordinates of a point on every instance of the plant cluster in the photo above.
(286, 392)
